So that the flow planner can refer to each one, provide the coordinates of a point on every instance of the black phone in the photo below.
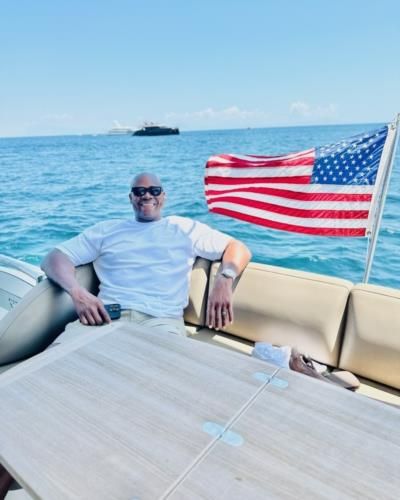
(114, 310)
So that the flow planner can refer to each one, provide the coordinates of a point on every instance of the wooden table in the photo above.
(128, 414)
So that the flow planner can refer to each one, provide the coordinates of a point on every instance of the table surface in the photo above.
(130, 414)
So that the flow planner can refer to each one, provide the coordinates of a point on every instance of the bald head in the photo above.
(147, 178)
(148, 201)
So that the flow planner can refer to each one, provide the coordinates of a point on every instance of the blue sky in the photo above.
(75, 67)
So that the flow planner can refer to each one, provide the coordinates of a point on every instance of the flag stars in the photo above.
(346, 162)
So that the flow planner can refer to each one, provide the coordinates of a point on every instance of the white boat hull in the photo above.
(16, 279)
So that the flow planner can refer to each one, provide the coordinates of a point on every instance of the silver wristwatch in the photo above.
(228, 273)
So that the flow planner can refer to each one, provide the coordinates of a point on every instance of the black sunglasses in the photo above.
(141, 191)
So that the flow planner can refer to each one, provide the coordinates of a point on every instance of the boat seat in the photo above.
(378, 391)
(271, 304)
(318, 304)
(371, 346)
(40, 317)
(288, 307)
(195, 312)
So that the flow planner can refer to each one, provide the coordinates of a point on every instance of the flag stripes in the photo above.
(288, 206)
(272, 224)
(251, 192)
(324, 191)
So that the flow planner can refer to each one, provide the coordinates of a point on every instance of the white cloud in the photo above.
(209, 117)
(300, 108)
(56, 117)
(304, 110)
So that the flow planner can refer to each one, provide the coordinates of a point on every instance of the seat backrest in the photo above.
(195, 312)
(287, 307)
(371, 345)
(40, 317)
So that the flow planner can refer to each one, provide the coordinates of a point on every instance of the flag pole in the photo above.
(389, 161)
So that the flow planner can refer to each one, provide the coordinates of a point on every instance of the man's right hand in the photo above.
(90, 309)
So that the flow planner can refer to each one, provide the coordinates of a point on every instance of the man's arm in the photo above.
(219, 309)
(60, 269)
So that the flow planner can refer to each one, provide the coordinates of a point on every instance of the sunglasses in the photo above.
(141, 191)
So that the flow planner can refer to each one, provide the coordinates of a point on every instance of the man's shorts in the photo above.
(163, 325)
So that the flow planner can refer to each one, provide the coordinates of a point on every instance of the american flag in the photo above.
(327, 191)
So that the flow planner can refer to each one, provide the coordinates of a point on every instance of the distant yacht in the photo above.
(119, 129)
(150, 129)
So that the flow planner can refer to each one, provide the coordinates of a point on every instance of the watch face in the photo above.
(229, 273)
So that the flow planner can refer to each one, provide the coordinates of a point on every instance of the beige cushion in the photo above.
(371, 346)
(40, 317)
(196, 310)
(287, 307)
(380, 392)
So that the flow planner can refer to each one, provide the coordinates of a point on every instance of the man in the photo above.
(144, 264)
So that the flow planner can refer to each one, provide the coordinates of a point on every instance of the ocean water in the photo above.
(54, 187)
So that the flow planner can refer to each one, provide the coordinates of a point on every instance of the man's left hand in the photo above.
(219, 309)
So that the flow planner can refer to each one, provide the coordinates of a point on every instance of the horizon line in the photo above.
(95, 134)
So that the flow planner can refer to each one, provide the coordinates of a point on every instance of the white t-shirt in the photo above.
(146, 265)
